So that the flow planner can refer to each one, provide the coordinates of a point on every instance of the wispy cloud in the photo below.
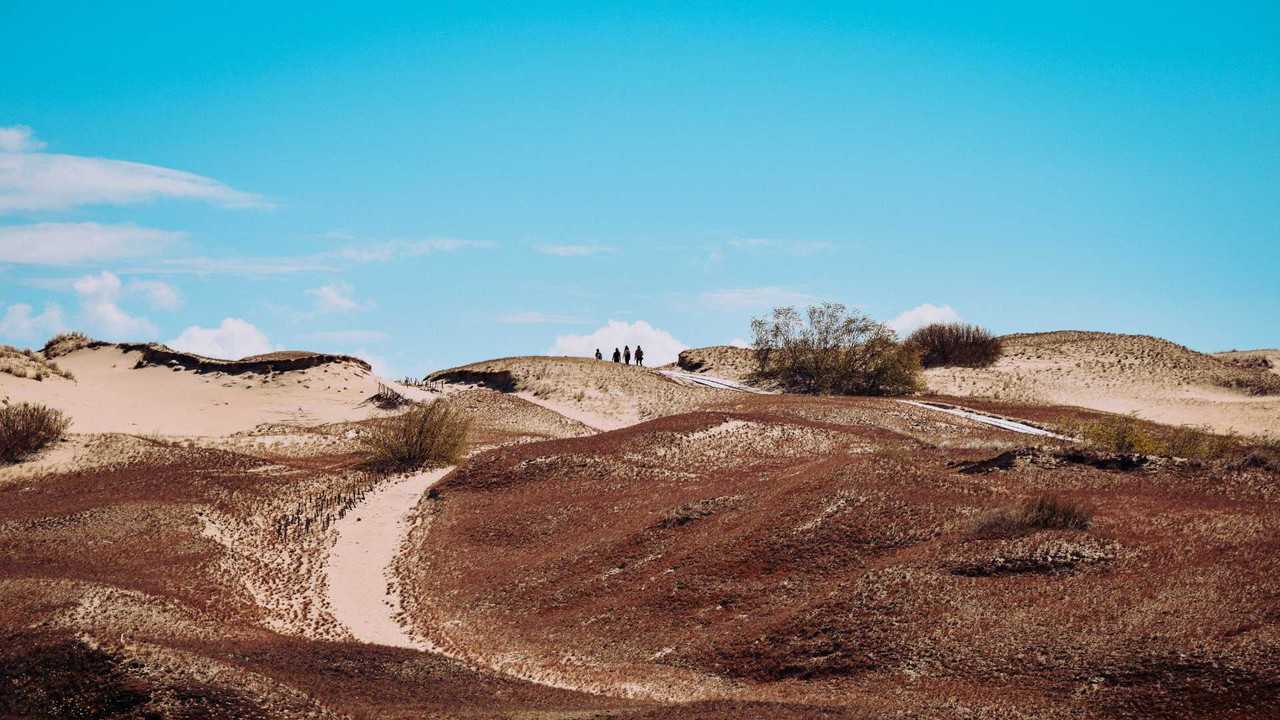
(347, 337)
(326, 261)
(335, 297)
(71, 243)
(159, 294)
(32, 180)
(533, 317)
(574, 250)
(753, 298)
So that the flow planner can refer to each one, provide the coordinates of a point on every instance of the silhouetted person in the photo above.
(617, 355)
(639, 357)
(626, 354)
(598, 355)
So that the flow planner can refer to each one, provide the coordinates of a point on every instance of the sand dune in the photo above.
(111, 393)
(1154, 378)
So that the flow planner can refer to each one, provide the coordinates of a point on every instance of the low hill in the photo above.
(603, 395)
(821, 550)
(723, 361)
(1157, 379)
(150, 388)
(1263, 359)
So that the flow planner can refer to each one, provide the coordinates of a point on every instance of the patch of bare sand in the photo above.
(111, 394)
(1156, 379)
(602, 395)
(361, 589)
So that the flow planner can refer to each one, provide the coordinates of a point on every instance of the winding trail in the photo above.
(361, 589)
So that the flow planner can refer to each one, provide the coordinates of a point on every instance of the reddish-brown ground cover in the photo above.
(826, 552)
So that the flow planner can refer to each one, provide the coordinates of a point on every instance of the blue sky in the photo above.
(429, 184)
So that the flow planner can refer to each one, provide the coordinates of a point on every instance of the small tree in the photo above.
(955, 344)
(833, 351)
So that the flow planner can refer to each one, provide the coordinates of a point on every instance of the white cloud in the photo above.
(921, 315)
(18, 138)
(335, 297)
(46, 181)
(19, 321)
(68, 243)
(236, 266)
(574, 250)
(344, 337)
(381, 367)
(391, 250)
(533, 317)
(328, 261)
(739, 343)
(753, 298)
(231, 340)
(160, 295)
(99, 298)
(659, 346)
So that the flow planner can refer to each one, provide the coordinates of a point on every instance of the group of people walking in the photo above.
(624, 355)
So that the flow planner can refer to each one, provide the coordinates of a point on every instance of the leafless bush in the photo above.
(1045, 512)
(955, 344)
(433, 434)
(833, 351)
(25, 428)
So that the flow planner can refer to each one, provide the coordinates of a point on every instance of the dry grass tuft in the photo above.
(955, 345)
(29, 364)
(1127, 435)
(427, 435)
(64, 343)
(1046, 512)
(25, 428)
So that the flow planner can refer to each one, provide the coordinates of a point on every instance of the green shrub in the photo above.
(955, 344)
(25, 428)
(1046, 512)
(427, 435)
(833, 351)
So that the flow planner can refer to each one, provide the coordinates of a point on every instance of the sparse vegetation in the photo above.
(29, 364)
(25, 428)
(1127, 435)
(955, 345)
(833, 351)
(64, 343)
(427, 435)
(1046, 512)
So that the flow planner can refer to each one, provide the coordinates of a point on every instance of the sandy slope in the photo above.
(602, 395)
(109, 395)
(1153, 378)
(368, 539)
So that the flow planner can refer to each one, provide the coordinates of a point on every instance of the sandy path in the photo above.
(595, 421)
(712, 381)
(993, 420)
(358, 571)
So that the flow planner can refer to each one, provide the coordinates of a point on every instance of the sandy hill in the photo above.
(149, 388)
(601, 394)
(724, 361)
(1154, 378)
(1262, 359)
(828, 551)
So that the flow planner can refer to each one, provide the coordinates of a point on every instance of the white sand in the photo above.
(109, 395)
(620, 417)
(361, 588)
